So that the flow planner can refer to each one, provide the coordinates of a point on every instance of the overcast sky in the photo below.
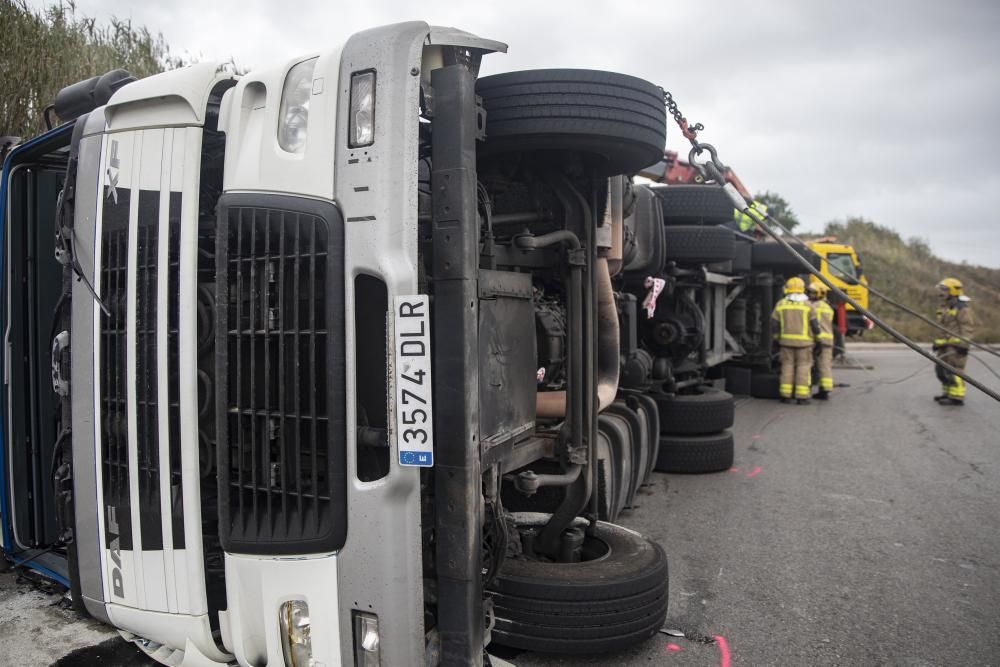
(887, 110)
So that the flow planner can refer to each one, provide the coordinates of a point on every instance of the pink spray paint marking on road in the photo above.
(753, 472)
(674, 647)
(724, 657)
(757, 437)
(734, 469)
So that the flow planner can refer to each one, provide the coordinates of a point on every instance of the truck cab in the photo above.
(321, 364)
(841, 265)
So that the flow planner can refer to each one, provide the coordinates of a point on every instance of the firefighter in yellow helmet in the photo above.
(955, 315)
(823, 313)
(795, 325)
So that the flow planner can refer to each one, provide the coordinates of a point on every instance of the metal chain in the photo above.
(690, 131)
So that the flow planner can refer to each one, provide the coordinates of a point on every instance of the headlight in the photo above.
(293, 620)
(367, 644)
(362, 128)
(293, 116)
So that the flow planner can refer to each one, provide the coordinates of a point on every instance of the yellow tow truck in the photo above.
(841, 264)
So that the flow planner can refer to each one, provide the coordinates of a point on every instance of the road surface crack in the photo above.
(972, 466)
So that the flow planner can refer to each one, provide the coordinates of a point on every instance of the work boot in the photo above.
(942, 397)
(948, 400)
(804, 401)
(822, 395)
(786, 399)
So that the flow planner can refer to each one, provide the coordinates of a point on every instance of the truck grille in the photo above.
(113, 379)
(281, 440)
(112, 370)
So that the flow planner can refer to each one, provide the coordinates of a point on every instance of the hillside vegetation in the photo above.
(42, 50)
(908, 270)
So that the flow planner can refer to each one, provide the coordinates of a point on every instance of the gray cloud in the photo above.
(881, 109)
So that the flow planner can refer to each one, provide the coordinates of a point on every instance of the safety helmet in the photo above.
(951, 285)
(818, 288)
(795, 285)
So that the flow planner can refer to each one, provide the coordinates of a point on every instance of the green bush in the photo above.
(44, 50)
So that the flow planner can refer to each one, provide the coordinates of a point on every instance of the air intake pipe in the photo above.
(84, 96)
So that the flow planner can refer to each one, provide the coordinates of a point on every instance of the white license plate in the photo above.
(414, 407)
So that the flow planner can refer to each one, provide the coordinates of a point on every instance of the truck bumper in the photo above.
(256, 589)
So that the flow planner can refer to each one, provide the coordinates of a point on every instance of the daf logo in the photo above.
(117, 581)
(113, 164)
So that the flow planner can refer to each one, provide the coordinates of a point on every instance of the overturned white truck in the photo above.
(349, 356)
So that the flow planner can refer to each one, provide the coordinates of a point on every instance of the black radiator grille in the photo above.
(173, 367)
(147, 422)
(280, 346)
(112, 373)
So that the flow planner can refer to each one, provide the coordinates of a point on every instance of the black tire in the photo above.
(618, 433)
(743, 261)
(633, 565)
(619, 121)
(649, 411)
(640, 451)
(607, 488)
(773, 257)
(738, 379)
(736, 316)
(585, 626)
(599, 605)
(519, 607)
(643, 243)
(695, 244)
(708, 411)
(764, 385)
(695, 204)
(696, 453)
(578, 646)
(582, 616)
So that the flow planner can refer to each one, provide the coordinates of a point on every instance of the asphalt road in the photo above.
(863, 531)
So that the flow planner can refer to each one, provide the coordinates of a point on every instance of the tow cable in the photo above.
(907, 309)
(714, 169)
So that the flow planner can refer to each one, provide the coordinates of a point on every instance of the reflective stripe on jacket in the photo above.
(794, 321)
(958, 318)
(823, 313)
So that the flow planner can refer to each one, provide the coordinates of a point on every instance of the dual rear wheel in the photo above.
(694, 431)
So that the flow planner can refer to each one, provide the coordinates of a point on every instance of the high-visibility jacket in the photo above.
(823, 314)
(957, 317)
(746, 222)
(795, 322)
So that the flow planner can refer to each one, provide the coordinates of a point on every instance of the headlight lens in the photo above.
(293, 619)
(362, 129)
(293, 115)
(367, 643)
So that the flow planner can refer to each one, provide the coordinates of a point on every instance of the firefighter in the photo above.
(795, 324)
(746, 223)
(955, 315)
(823, 313)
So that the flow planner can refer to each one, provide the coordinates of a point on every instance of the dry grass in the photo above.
(42, 51)
(907, 271)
